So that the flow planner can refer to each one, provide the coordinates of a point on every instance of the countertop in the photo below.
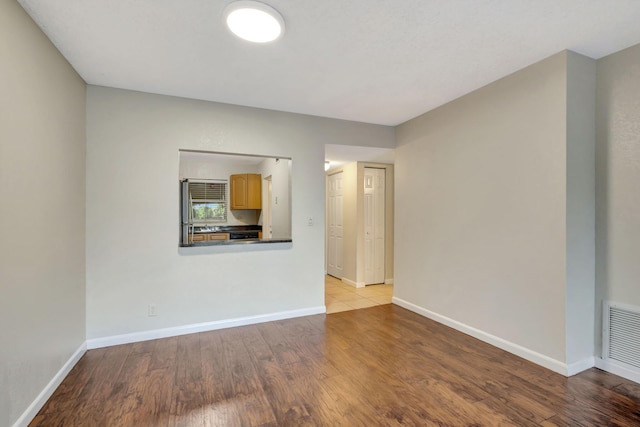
(224, 229)
(236, 242)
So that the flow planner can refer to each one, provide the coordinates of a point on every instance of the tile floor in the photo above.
(341, 297)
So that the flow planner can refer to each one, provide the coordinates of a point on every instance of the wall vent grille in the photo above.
(621, 340)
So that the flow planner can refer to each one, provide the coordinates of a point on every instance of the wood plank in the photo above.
(153, 393)
(284, 399)
(123, 405)
(187, 396)
(479, 371)
(232, 378)
(609, 402)
(221, 411)
(438, 405)
(282, 350)
(67, 394)
(377, 366)
(630, 390)
(88, 407)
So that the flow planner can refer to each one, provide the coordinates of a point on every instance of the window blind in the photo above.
(208, 201)
(208, 191)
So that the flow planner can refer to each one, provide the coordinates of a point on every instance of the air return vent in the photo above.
(621, 334)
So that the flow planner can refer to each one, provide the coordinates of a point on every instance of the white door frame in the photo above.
(267, 210)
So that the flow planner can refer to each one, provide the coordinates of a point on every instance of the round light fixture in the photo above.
(254, 21)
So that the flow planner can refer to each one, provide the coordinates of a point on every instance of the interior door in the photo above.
(374, 225)
(335, 224)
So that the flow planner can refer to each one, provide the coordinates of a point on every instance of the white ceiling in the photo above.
(376, 61)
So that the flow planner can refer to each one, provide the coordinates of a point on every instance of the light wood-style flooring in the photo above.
(340, 297)
(378, 366)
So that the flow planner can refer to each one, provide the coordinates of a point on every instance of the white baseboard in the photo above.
(525, 353)
(388, 281)
(581, 365)
(352, 283)
(628, 372)
(28, 415)
(200, 327)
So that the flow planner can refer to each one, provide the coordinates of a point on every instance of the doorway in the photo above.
(345, 257)
(341, 297)
(267, 208)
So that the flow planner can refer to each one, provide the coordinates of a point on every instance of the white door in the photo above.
(374, 229)
(335, 224)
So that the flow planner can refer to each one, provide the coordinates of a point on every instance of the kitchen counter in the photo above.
(237, 242)
(229, 235)
(206, 235)
(225, 229)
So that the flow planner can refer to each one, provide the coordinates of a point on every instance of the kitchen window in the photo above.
(207, 201)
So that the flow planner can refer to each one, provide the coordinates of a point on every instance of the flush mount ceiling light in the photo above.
(254, 21)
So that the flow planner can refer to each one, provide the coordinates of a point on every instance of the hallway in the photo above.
(340, 297)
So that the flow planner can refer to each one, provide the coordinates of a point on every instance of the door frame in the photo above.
(267, 209)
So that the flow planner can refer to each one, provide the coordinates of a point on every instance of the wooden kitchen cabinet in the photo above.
(218, 236)
(198, 237)
(246, 191)
(203, 237)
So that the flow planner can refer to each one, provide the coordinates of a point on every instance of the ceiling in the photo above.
(375, 61)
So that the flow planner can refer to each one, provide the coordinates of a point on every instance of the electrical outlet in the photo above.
(153, 310)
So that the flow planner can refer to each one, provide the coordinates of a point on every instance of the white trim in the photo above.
(388, 281)
(352, 283)
(580, 365)
(618, 368)
(518, 350)
(348, 282)
(200, 327)
(33, 409)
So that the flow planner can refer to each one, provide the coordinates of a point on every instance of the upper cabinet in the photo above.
(246, 191)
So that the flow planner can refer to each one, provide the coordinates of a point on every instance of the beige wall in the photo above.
(132, 255)
(580, 222)
(618, 175)
(42, 175)
(481, 211)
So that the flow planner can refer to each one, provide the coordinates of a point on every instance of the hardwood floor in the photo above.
(379, 366)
